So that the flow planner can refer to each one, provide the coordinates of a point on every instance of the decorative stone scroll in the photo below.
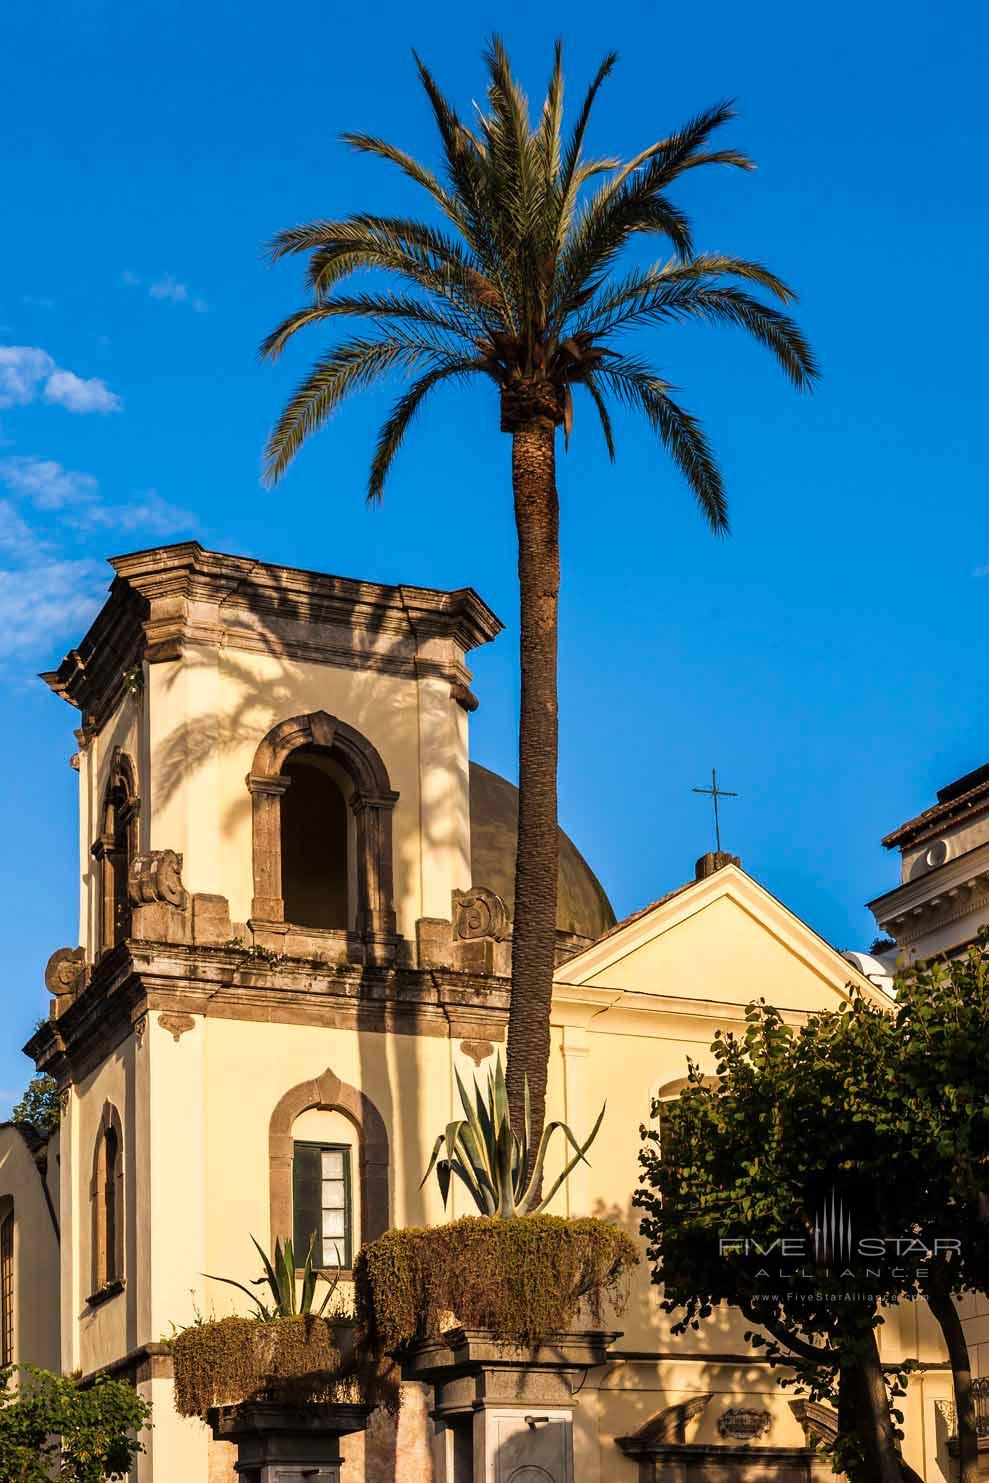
(743, 1424)
(479, 913)
(177, 1025)
(157, 877)
(66, 971)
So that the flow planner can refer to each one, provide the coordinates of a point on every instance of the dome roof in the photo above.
(582, 906)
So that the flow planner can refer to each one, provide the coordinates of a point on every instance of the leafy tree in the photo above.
(515, 279)
(815, 1181)
(39, 1105)
(942, 1099)
(50, 1427)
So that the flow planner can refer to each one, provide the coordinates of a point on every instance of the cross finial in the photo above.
(714, 793)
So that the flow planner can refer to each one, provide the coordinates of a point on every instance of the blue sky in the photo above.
(828, 658)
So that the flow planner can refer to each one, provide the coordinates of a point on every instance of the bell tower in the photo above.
(285, 733)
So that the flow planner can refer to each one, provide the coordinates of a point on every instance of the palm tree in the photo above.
(516, 279)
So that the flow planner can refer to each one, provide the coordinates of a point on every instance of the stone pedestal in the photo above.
(502, 1409)
(279, 1443)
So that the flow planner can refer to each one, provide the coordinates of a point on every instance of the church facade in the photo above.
(295, 928)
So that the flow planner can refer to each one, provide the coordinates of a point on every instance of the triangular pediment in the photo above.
(723, 939)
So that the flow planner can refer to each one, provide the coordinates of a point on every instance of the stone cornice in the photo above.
(169, 596)
(227, 983)
(946, 894)
(92, 675)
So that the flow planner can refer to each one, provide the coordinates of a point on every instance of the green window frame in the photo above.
(322, 1201)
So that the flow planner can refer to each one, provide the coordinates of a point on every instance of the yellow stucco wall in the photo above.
(36, 1314)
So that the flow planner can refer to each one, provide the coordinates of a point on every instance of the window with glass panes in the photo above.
(321, 1199)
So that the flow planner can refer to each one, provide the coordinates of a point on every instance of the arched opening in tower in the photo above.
(315, 827)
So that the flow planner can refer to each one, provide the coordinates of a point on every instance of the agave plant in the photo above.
(280, 1277)
(486, 1154)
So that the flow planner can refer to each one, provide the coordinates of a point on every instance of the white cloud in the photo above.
(22, 367)
(26, 372)
(150, 513)
(68, 390)
(17, 538)
(49, 486)
(46, 483)
(168, 289)
(42, 603)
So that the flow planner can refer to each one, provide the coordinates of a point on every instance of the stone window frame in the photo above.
(7, 1289)
(372, 802)
(107, 1266)
(327, 1093)
(119, 812)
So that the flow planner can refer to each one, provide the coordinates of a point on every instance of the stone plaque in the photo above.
(743, 1425)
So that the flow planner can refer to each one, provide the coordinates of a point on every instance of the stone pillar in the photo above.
(502, 1409)
(375, 907)
(266, 796)
(280, 1443)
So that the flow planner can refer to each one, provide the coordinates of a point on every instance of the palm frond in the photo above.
(635, 287)
(367, 306)
(401, 417)
(593, 390)
(410, 166)
(680, 432)
(344, 369)
(575, 144)
(551, 125)
(468, 181)
(632, 202)
(602, 229)
(723, 304)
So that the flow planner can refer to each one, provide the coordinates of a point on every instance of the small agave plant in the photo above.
(280, 1277)
(487, 1155)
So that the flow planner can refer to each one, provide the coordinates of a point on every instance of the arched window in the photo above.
(328, 1170)
(114, 850)
(7, 1284)
(325, 1171)
(310, 871)
(107, 1197)
(317, 830)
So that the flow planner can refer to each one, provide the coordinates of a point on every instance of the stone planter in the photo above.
(278, 1443)
(500, 1406)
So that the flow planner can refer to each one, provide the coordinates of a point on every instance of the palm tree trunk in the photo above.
(536, 864)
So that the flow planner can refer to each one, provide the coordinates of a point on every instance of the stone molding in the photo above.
(167, 597)
(669, 1427)
(329, 1094)
(939, 896)
(177, 1025)
(472, 1369)
(277, 1440)
(372, 803)
(222, 980)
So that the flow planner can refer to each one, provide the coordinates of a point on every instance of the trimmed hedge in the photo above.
(523, 1278)
(229, 1360)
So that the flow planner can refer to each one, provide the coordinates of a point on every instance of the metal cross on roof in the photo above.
(714, 793)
